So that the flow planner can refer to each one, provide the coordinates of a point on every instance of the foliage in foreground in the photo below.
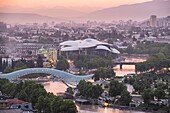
(36, 94)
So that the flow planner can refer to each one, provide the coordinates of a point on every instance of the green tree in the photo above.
(88, 90)
(40, 105)
(8, 88)
(116, 88)
(147, 96)
(110, 73)
(62, 65)
(125, 98)
(47, 104)
(99, 73)
(103, 73)
(19, 65)
(159, 94)
(141, 84)
(44, 104)
(162, 86)
(8, 70)
(96, 91)
(3, 82)
(30, 64)
(68, 107)
(56, 105)
(22, 95)
(40, 99)
(70, 90)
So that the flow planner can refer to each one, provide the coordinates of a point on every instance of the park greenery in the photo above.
(70, 90)
(91, 61)
(146, 47)
(19, 64)
(41, 100)
(103, 73)
(119, 89)
(153, 87)
(158, 61)
(62, 65)
(116, 88)
(152, 78)
(88, 90)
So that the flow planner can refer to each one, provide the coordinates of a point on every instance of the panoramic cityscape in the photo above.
(91, 56)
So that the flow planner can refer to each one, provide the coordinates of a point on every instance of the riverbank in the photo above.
(100, 109)
(55, 87)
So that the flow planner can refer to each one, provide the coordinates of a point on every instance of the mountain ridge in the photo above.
(138, 11)
(26, 18)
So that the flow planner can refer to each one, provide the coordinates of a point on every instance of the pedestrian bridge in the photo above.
(66, 77)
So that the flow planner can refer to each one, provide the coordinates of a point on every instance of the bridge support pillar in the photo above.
(121, 66)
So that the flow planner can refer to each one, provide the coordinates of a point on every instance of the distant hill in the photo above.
(26, 18)
(58, 11)
(139, 11)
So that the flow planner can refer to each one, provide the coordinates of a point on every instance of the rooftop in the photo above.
(87, 43)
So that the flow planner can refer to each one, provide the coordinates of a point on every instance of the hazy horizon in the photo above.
(85, 6)
(84, 10)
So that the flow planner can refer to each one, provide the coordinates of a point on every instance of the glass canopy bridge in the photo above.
(66, 77)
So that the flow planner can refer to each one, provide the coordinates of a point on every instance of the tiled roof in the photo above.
(16, 101)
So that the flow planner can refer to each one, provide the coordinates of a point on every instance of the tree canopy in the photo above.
(62, 65)
(34, 93)
(116, 88)
(19, 65)
(103, 73)
(88, 90)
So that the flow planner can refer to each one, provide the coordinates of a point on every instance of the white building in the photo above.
(88, 46)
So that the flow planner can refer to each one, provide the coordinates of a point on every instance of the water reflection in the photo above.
(55, 87)
(126, 70)
(98, 109)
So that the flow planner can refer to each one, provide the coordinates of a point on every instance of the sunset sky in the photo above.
(67, 3)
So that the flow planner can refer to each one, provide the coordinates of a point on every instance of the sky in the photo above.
(67, 3)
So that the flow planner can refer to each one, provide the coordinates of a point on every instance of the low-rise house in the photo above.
(15, 104)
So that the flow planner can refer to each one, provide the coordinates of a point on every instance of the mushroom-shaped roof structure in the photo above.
(70, 49)
(86, 43)
(101, 47)
(115, 51)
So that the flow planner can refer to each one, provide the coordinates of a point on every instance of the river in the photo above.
(56, 87)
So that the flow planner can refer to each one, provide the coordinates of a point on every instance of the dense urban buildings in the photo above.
(89, 50)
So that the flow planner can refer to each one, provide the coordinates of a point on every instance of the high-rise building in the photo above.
(153, 20)
(2, 27)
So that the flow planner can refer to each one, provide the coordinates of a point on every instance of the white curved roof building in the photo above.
(87, 44)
